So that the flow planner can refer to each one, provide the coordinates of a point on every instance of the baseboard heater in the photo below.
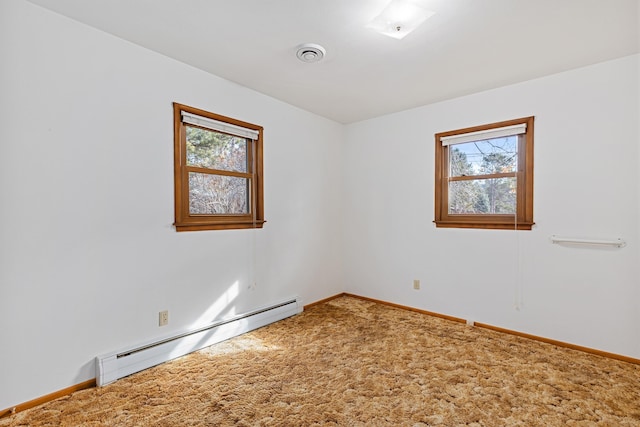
(112, 366)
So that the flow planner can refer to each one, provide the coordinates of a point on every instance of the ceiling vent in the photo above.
(310, 52)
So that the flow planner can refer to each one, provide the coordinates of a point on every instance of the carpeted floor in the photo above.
(350, 362)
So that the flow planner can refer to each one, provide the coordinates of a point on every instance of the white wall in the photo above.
(586, 185)
(88, 255)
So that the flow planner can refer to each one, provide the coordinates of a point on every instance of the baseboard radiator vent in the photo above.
(112, 366)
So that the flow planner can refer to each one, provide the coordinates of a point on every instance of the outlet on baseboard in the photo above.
(416, 284)
(163, 318)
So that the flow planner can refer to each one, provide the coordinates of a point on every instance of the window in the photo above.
(217, 171)
(484, 176)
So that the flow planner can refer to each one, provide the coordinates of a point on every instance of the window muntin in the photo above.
(218, 171)
(484, 176)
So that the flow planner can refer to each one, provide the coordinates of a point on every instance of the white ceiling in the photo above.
(466, 47)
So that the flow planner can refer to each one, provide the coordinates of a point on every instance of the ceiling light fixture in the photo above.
(399, 18)
(310, 52)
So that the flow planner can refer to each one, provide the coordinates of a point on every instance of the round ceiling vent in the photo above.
(310, 52)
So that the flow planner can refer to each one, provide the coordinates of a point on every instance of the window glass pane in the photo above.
(498, 155)
(215, 150)
(483, 196)
(218, 194)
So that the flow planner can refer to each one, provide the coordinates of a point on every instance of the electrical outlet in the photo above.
(163, 318)
(416, 284)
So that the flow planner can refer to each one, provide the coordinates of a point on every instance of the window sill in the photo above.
(497, 225)
(221, 225)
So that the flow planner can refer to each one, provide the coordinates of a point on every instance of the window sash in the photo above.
(248, 184)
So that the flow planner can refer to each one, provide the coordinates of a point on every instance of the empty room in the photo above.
(291, 213)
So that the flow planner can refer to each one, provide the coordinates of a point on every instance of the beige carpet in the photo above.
(355, 363)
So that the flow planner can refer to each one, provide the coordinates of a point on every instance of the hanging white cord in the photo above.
(518, 293)
(518, 277)
(253, 199)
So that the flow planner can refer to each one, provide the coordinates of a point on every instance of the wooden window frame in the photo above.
(184, 220)
(523, 218)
